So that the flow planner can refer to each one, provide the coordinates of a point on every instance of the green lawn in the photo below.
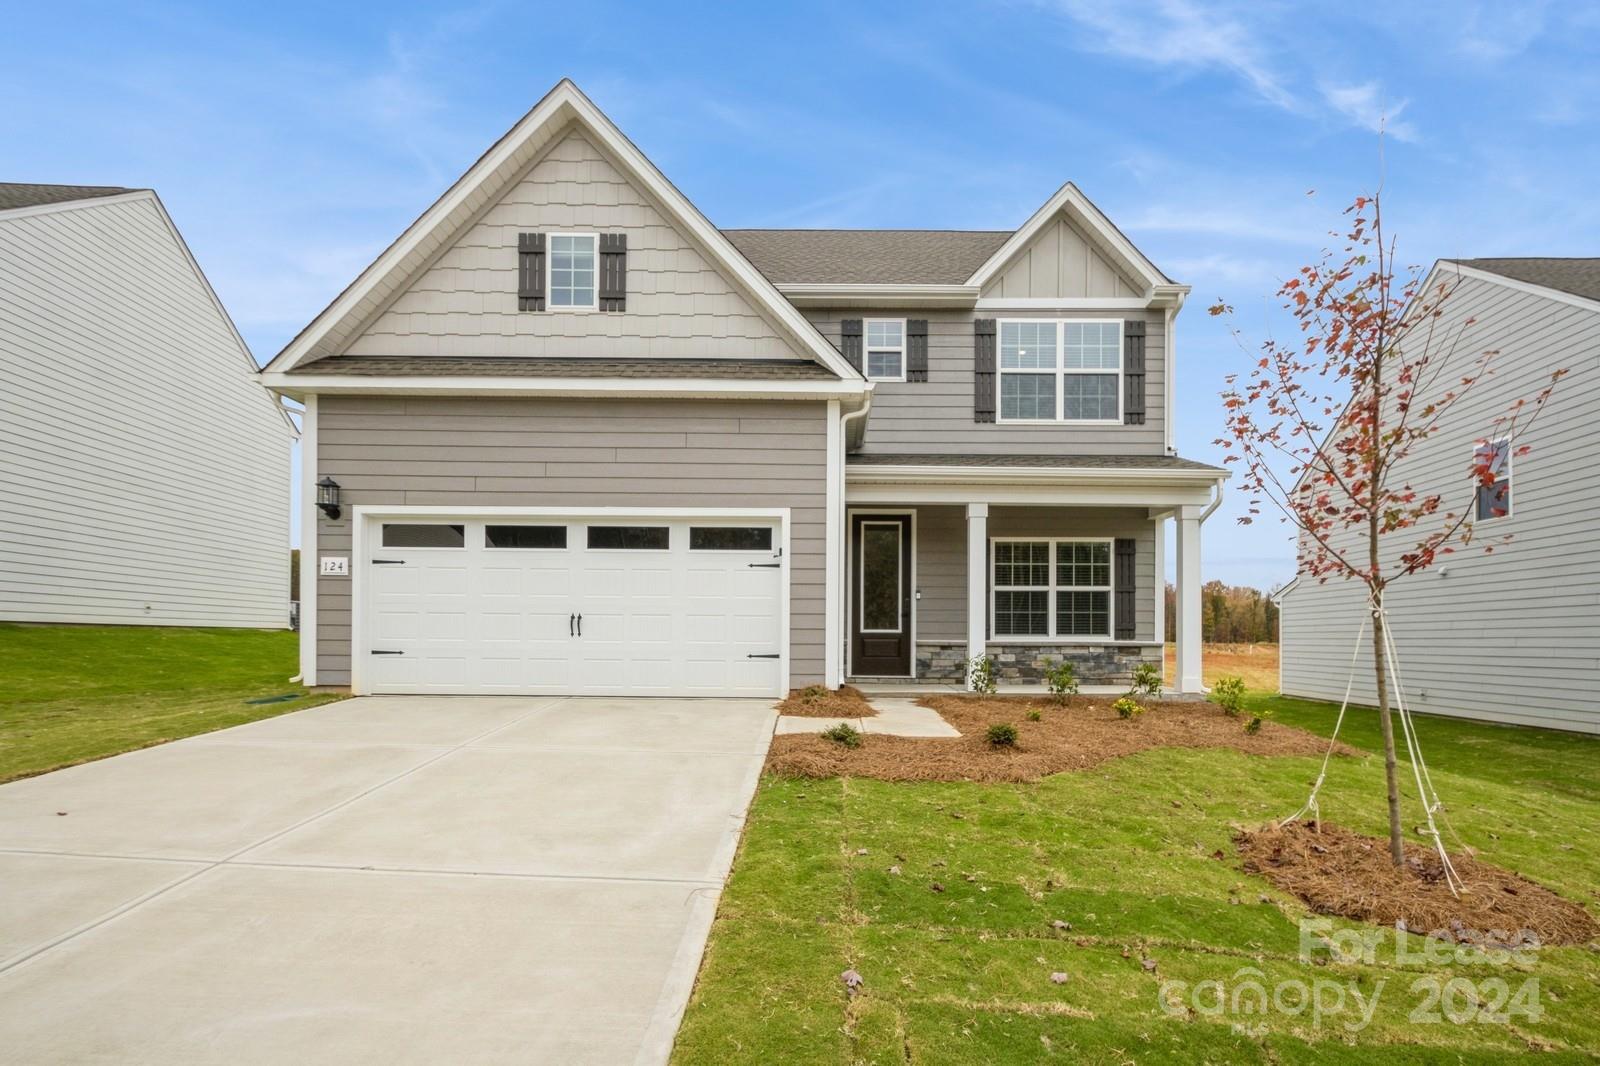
(1127, 854)
(69, 694)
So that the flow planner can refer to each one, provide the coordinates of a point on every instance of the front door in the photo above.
(880, 624)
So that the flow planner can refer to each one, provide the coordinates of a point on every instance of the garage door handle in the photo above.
(570, 619)
(580, 625)
(377, 651)
(768, 655)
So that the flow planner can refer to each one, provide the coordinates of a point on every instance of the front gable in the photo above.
(1062, 261)
(679, 304)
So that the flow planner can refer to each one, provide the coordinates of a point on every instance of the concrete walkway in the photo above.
(394, 880)
(895, 717)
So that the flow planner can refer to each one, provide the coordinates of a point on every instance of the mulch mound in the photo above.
(1337, 871)
(819, 702)
(1083, 734)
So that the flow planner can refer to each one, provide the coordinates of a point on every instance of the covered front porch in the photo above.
(1028, 565)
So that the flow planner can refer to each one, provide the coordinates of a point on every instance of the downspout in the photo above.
(841, 532)
(1215, 502)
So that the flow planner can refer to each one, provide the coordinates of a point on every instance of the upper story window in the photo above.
(572, 269)
(1494, 499)
(1066, 370)
(886, 349)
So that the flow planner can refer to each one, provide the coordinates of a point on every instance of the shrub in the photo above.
(1063, 681)
(1127, 707)
(843, 734)
(1253, 726)
(1034, 715)
(1146, 680)
(814, 693)
(1002, 735)
(980, 674)
(1228, 693)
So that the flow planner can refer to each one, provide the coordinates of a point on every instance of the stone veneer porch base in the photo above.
(1095, 663)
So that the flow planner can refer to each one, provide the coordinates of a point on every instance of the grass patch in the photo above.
(69, 694)
(956, 902)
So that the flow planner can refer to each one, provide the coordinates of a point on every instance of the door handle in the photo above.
(580, 624)
(570, 617)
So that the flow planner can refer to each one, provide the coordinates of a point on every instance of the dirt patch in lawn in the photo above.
(1074, 737)
(819, 702)
(1337, 871)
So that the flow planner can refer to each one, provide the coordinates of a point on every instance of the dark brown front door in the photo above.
(880, 623)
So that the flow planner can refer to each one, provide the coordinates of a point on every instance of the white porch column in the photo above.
(1188, 636)
(977, 580)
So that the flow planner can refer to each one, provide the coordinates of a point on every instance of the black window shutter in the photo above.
(983, 370)
(530, 272)
(1126, 586)
(850, 341)
(1133, 372)
(613, 294)
(916, 349)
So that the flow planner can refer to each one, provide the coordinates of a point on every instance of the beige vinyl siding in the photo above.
(934, 416)
(144, 473)
(465, 303)
(1061, 261)
(942, 558)
(1512, 636)
(532, 452)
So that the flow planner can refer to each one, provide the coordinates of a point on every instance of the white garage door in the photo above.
(557, 606)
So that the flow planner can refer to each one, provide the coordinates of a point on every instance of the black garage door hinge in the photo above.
(388, 562)
(770, 655)
(765, 566)
(379, 651)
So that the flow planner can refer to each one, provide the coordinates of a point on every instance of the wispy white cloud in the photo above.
(1364, 105)
(1183, 34)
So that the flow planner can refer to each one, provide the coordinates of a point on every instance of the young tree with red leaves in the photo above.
(1323, 424)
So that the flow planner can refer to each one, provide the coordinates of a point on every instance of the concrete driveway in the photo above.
(388, 880)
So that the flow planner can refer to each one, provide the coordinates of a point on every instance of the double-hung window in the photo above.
(572, 270)
(886, 349)
(1493, 497)
(1060, 370)
(1057, 588)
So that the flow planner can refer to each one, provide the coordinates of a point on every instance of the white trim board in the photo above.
(300, 385)
(484, 180)
(364, 517)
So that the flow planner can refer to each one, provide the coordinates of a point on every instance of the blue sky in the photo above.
(292, 142)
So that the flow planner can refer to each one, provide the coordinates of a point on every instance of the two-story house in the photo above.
(1511, 634)
(569, 437)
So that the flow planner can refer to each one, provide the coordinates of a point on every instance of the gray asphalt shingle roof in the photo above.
(1580, 277)
(1075, 462)
(21, 194)
(867, 256)
(511, 367)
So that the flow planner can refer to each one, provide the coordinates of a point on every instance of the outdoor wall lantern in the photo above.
(328, 497)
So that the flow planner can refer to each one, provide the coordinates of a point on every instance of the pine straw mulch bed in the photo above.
(819, 702)
(1083, 734)
(1341, 872)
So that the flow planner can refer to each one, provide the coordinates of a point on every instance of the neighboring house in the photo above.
(1512, 635)
(585, 442)
(144, 471)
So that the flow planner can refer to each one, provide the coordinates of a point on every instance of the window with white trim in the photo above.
(1493, 499)
(572, 269)
(1052, 588)
(885, 349)
(1060, 370)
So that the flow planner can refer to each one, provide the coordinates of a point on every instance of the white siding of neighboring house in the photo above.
(144, 472)
(1512, 636)
(465, 304)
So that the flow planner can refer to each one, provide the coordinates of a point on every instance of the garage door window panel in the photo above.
(525, 537)
(424, 535)
(629, 538)
(730, 538)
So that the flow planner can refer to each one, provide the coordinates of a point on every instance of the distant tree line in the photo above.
(1230, 614)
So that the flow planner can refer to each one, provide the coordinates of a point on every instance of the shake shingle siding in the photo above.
(933, 416)
(540, 452)
(1511, 636)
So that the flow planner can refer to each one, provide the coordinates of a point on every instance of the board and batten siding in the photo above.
(1510, 636)
(144, 472)
(935, 416)
(678, 304)
(941, 556)
(1061, 261)
(486, 451)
